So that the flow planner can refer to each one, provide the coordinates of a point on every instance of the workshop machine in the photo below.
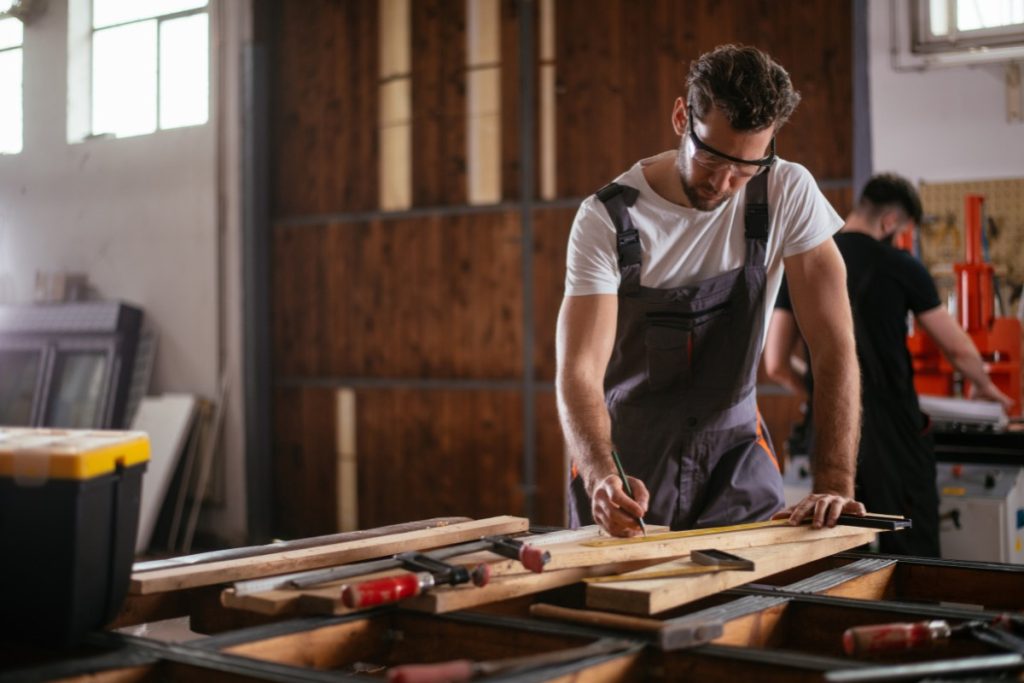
(998, 338)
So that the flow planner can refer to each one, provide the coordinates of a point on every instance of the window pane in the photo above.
(110, 12)
(975, 14)
(184, 71)
(124, 79)
(19, 372)
(10, 32)
(77, 390)
(10, 102)
(939, 17)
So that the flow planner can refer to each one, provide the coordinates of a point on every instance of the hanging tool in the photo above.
(896, 637)
(702, 562)
(424, 573)
(870, 521)
(627, 488)
(463, 669)
(532, 558)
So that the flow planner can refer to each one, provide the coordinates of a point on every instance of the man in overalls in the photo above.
(672, 272)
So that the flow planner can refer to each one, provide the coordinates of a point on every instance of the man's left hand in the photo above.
(825, 508)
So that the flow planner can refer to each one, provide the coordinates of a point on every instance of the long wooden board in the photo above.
(578, 551)
(326, 598)
(652, 596)
(211, 573)
(510, 579)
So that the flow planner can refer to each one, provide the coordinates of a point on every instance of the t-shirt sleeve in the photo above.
(591, 261)
(922, 296)
(806, 216)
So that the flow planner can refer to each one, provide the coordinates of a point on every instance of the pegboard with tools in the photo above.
(942, 232)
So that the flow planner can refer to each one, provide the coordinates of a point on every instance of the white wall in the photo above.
(944, 124)
(143, 218)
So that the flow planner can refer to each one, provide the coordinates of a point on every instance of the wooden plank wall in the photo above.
(425, 312)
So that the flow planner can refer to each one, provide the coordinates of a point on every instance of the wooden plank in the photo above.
(620, 65)
(326, 598)
(212, 573)
(326, 647)
(428, 451)
(510, 126)
(278, 602)
(304, 464)
(550, 242)
(324, 107)
(657, 595)
(576, 552)
(439, 102)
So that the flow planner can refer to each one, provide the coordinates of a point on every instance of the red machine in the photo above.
(997, 338)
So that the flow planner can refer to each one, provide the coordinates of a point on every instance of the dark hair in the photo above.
(888, 190)
(746, 85)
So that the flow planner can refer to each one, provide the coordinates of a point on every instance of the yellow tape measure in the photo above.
(870, 520)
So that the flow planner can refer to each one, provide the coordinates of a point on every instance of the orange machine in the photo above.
(997, 338)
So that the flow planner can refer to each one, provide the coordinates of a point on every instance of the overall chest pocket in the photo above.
(672, 339)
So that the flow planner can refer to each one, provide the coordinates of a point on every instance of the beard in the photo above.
(702, 197)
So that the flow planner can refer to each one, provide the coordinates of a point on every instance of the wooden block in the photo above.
(212, 573)
(657, 595)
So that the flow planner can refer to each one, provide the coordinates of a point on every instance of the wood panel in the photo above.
(324, 107)
(421, 451)
(439, 102)
(551, 229)
(550, 503)
(621, 64)
(440, 296)
(510, 77)
(304, 463)
(298, 309)
(431, 296)
(841, 199)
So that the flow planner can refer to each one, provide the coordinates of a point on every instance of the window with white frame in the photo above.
(957, 25)
(11, 33)
(149, 65)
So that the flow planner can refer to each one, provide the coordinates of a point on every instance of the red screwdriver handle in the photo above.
(385, 591)
(895, 637)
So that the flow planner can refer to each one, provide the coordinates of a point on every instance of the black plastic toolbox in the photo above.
(69, 512)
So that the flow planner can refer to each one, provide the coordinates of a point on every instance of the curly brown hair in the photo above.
(750, 88)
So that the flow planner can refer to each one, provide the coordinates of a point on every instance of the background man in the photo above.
(896, 463)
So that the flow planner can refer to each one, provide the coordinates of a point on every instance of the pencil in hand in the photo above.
(627, 488)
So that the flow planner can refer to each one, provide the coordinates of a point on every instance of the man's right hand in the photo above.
(991, 392)
(615, 511)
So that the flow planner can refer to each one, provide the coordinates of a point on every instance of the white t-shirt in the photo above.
(682, 246)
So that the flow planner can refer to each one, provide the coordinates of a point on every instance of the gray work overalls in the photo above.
(680, 385)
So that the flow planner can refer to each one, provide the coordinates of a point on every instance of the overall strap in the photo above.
(756, 222)
(617, 199)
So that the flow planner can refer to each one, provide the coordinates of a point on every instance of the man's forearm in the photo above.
(837, 415)
(587, 429)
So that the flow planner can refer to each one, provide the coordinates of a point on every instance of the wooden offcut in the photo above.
(211, 573)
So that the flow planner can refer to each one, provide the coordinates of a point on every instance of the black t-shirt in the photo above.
(884, 284)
